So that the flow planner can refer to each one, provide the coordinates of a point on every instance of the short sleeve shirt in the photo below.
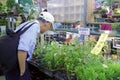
(28, 39)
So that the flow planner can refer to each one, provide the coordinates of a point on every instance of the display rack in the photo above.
(94, 28)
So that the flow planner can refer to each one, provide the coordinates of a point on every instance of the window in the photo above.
(66, 9)
(71, 7)
(77, 16)
(66, 16)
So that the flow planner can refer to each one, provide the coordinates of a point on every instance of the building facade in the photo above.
(68, 10)
(90, 9)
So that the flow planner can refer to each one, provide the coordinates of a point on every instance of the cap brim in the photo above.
(52, 26)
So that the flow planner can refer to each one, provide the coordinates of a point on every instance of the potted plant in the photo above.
(77, 61)
(100, 14)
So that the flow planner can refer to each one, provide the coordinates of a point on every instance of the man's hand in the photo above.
(22, 55)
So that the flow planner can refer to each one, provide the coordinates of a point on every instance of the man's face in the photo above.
(45, 27)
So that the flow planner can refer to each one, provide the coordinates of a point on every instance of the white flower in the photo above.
(104, 65)
(55, 54)
(80, 59)
(64, 53)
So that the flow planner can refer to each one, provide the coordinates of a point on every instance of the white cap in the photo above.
(47, 16)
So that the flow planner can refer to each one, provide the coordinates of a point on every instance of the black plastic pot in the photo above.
(39, 72)
(60, 76)
(1, 72)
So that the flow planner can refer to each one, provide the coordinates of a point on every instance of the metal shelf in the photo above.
(76, 31)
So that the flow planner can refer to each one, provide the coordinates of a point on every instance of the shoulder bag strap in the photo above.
(23, 27)
(22, 31)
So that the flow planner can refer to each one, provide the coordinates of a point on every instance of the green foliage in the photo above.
(100, 11)
(10, 4)
(4, 8)
(1, 5)
(18, 8)
(116, 27)
(3, 22)
(30, 17)
(76, 60)
(109, 2)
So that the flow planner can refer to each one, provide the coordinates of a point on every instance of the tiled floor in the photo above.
(2, 78)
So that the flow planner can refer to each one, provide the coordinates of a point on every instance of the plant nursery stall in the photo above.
(73, 61)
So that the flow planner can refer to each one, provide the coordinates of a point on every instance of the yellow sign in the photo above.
(100, 44)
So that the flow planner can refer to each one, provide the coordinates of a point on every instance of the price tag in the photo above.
(84, 31)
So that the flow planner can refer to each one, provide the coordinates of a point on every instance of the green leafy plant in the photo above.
(77, 61)
(116, 27)
(1, 5)
(18, 8)
(100, 11)
(10, 4)
(3, 22)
